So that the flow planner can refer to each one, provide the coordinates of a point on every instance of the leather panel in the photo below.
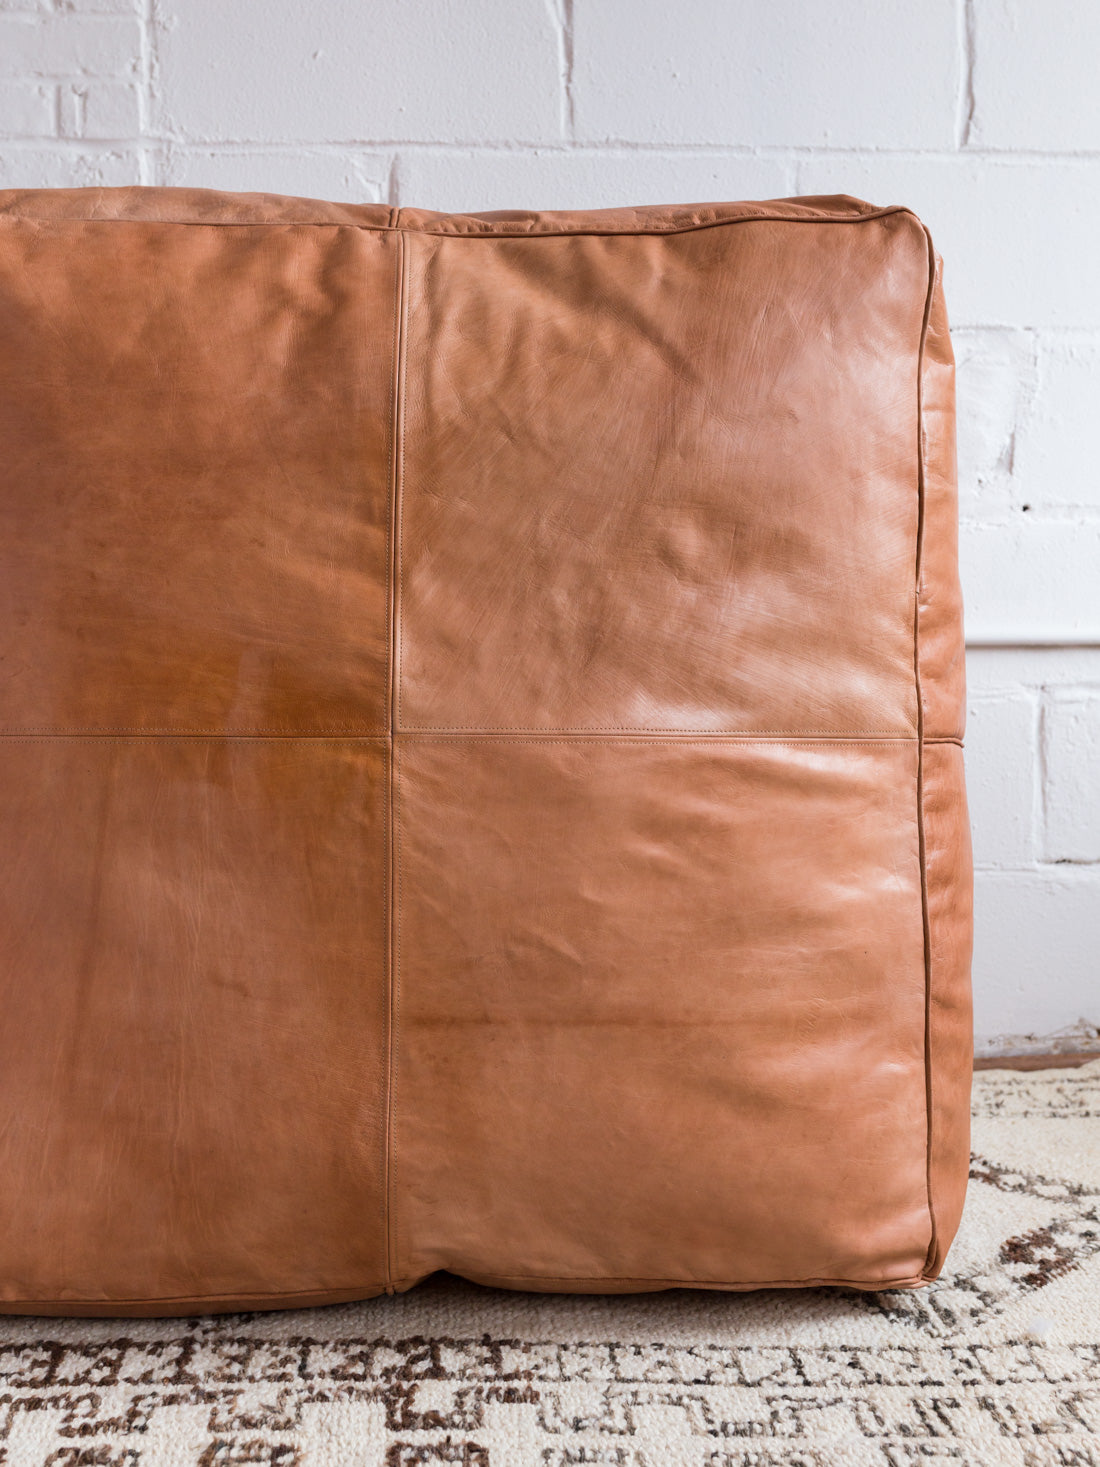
(647, 1026)
(662, 407)
(194, 529)
(193, 985)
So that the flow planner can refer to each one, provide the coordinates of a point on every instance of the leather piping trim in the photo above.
(397, 465)
(488, 231)
(927, 932)
(674, 742)
(458, 729)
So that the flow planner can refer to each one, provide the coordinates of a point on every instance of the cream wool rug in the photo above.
(997, 1363)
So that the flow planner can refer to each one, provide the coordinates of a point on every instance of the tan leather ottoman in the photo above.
(482, 783)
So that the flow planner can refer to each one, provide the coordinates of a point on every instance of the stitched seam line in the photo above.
(394, 722)
(392, 465)
(927, 933)
(198, 738)
(399, 529)
(385, 1044)
(626, 728)
(395, 393)
(350, 731)
(671, 743)
(672, 735)
(388, 1137)
(396, 472)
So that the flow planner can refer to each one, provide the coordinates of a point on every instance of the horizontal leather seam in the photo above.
(474, 737)
(673, 741)
(107, 735)
(416, 730)
(489, 232)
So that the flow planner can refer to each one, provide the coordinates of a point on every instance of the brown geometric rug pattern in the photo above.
(996, 1365)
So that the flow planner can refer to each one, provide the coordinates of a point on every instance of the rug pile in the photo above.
(997, 1363)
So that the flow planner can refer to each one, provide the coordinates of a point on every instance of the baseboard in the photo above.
(1034, 1061)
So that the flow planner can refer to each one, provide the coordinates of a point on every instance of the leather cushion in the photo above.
(482, 783)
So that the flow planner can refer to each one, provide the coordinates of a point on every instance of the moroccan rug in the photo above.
(997, 1363)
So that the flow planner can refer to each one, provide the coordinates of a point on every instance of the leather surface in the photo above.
(482, 788)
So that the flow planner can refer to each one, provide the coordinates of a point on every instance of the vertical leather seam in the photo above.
(406, 276)
(406, 255)
(921, 845)
(396, 429)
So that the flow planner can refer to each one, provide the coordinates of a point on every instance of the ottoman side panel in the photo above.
(948, 860)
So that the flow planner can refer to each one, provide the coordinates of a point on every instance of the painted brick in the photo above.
(1008, 671)
(582, 178)
(27, 109)
(1058, 444)
(93, 7)
(1071, 784)
(68, 45)
(1035, 75)
(111, 110)
(346, 177)
(995, 383)
(343, 71)
(1036, 951)
(99, 110)
(1017, 237)
(1001, 759)
(44, 167)
(1035, 578)
(789, 73)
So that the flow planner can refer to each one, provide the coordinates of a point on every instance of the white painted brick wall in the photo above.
(984, 115)
(1071, 794)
